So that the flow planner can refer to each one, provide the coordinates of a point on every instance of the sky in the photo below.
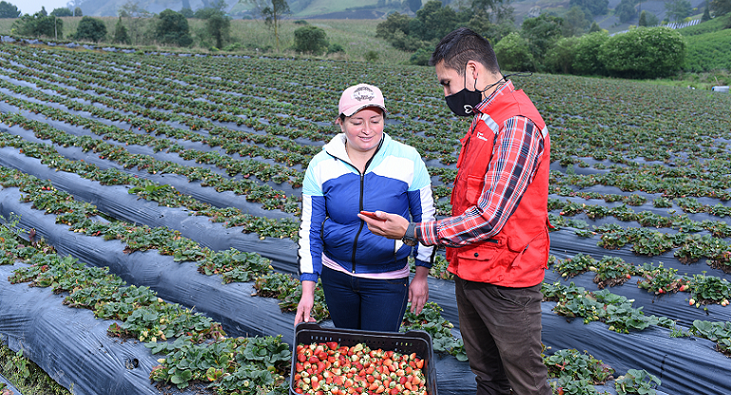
(33, 6)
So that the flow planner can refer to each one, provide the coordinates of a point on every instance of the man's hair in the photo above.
(462, 45)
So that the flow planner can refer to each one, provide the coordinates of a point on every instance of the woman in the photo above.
(365, 278)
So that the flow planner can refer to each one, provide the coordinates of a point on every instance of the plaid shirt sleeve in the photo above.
(516, 155)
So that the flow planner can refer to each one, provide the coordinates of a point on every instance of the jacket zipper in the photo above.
(360, 201)
(360, 208)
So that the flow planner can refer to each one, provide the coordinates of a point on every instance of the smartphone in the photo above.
(371, 215)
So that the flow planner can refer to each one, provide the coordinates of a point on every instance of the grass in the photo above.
(26, 376)
(356, 36)
(709, 51)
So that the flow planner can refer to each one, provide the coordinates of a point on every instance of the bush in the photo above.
(421, 57)
(586, 58)
(172, 28)
(310, 39)
(514, 54)
(91, 29)
(371, 56)
(644, 53)
(233, 47)
(560, 58)
(335, 48)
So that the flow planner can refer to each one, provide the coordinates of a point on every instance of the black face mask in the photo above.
(463, 102)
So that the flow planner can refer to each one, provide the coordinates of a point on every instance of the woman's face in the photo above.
(364, 129)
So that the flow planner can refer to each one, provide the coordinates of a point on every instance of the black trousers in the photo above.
(501, 329)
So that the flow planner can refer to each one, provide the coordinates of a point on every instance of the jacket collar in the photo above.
(336, 146)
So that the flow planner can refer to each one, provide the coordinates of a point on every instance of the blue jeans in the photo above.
(363, 303)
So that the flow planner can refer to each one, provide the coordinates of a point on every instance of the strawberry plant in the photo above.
(430, 320)
(709, 289)
(612, 271)
(636, 382)
(569, 363)
(579, 264)
(719, 332)
(661, 280)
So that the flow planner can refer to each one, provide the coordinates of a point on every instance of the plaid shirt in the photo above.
(517, 152)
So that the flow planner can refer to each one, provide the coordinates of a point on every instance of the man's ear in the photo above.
(473, 69)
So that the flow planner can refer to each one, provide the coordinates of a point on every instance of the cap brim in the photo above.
(349, 112)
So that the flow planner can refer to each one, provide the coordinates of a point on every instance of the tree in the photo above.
(494, 32)
(91, 29)
(218, 26)
(131, 9)
(586, 57)
(575, 22)
(643, 19)
(594, 27)
(625, 11)
(497, 8)
(678, 9)
(541, 33)
(121, 36)
(272, 11)
(414, 5)
(172, 28)
(513, 53)
(592, 7)
(75, 7)
(394, 22)
(434, 20)
(63, 11)
(644, 53)
(706, 14)
(8, 10)
(310, 39)
(720, 7)
(39, 24)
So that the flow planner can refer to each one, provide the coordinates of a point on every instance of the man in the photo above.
(497, 238)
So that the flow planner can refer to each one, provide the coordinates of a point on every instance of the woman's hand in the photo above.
(390, 226)
(419, 290)
(307, 301)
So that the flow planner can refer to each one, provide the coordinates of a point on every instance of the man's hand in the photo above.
(391, 226)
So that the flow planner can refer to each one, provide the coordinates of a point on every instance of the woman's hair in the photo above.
(462, 45)
(342, 117)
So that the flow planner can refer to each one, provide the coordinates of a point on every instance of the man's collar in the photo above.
(488, 100)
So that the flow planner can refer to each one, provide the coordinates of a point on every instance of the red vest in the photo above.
(518, 255)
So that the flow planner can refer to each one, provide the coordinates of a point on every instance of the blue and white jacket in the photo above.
(334, 192)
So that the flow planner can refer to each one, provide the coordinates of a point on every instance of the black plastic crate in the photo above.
(418, 342)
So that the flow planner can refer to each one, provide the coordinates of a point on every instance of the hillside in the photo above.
(368, 9)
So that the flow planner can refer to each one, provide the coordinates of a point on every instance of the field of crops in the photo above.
(150, 205)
